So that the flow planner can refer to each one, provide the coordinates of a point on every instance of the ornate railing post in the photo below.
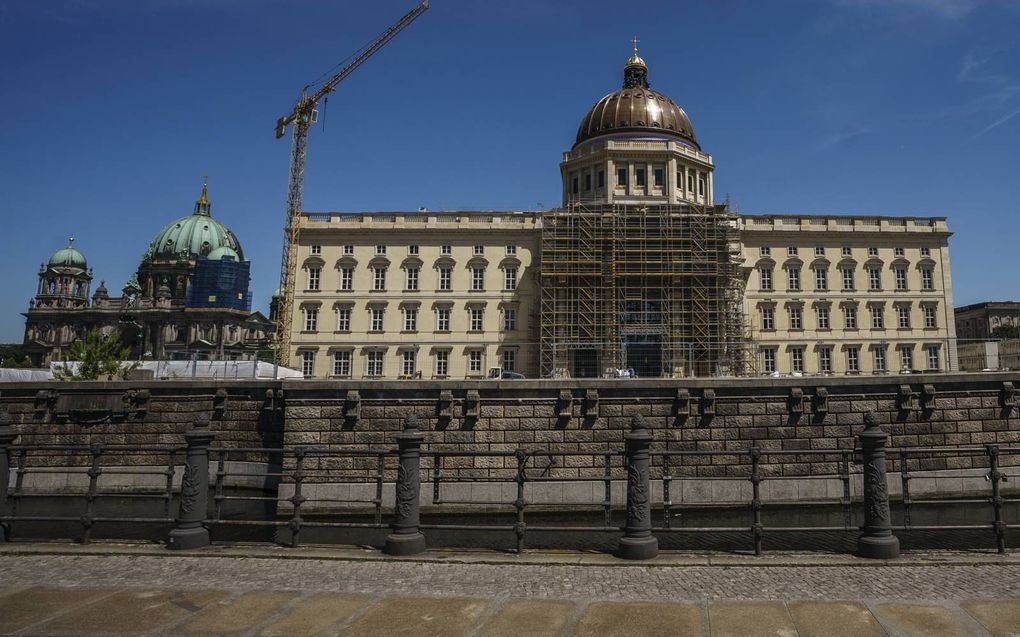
(189, 531)
(877, 539)
(7, 436)
(637, 542)
(406, 539)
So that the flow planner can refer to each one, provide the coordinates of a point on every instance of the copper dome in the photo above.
(635, 108)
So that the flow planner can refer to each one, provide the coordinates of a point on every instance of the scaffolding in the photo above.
(220, 283)
(656, 290)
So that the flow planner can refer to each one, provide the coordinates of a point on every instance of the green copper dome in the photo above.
(195, 235)
(68, 257)
(220, 252)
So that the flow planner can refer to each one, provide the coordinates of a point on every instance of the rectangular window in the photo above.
(478, 251)
(374, 363)
(690, 183)
(765, 251)
(476, 314)
(793, 278)
(509, 319)
(846, 251)
(378, 278)
(311, 319)
(768, 318)
(573, 185)
(766, 278)
(587, 181)
(475, 361)
(853, 359)
(925, 252)
(376, 319)
(314, 275)
(872, 252)
(879, 359)
(308, 364)
(821, 279)
(602, 179)
(341, 363)
(446, 249)
(510, 279)
(509, 361)
(899, 252)
(849, 317)
(346, 278)
(621, 176)
(929, 316)
(410, 319)
(445, 278)
(316, 249)
(408, 363)
(768, 359)
(660, 177)
(907, 357)
(822, 317)
(797, 359)
(927, 279)
(901, 278)
(903, 317)
(848, 278)
(639, 177)
(442, 363)
(701, 187)
(791, 251)
(825, 359)
(877, 317)
(819, 251)
(796, 318)
(348, 249)
(380, 250)
(477, 279)
(933, 357)
(412, 249)
(443, 319)
(412, 278)
(874, 279)
(511, 248)
(343, 319)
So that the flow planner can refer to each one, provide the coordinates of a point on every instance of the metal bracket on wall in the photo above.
(821, 402)
(565, 404)
(906, 399)
(219, 406)
(1007, 396)
(445, 408)
(352, 407)
(708, 403)
(472, 404)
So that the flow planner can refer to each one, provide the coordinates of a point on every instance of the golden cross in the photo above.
(635, 41)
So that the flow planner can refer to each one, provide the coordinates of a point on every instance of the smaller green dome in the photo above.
(68, 257)
(276, 293)
(223, 251)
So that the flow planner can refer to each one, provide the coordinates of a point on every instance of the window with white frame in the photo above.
(899, 252)
(442, 319)
(445, 279)
(933, 357)
(478, 251)
(930, 319)
(878, 356)
(343, 319)
(903, 317)
(901, 278)
(822, 317)
(410, 319)
(819, 251)
(927, 279)
(925, 252)
(877, 317)
(374, 363)
(412, 279)
(872, 252)
(446, 249)
(380, 250)
(846, 251)
(509, 319)
(316, 249)
(907, 357)
(509, 362)
(511, 249)
(821, 278)
(375, 316)
(476, 315)
(848, 278)
(796, 317)
(475, 361)
(311, 319)
(510, 279)
(793, 277)
(825, 359)
(342, 363)
(874, 279)
(791, 251)
(378, 279)
(346, 278)
(768, 317)
(766, 277)
(348, 249)
(764, 251)
(477, 279)
(408, 362)
(849, 317)
(442, 362)
(768, 360)
(853, 359)
(797, 359)
(314, 276)
(308, 363)
(412, 249)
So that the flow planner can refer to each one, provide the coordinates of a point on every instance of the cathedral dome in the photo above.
(636, 109)
(195, 235)
(68, 257)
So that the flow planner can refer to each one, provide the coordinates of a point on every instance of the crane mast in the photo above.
(301, 118)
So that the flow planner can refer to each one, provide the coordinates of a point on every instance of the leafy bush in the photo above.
(98, 356)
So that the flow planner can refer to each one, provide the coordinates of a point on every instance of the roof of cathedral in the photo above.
(68, 257)
(636, 109)
(195, 235)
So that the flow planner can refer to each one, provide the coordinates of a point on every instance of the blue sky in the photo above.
(113, 110)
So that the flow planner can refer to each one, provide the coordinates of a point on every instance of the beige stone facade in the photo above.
(849, 295)
(415, 295)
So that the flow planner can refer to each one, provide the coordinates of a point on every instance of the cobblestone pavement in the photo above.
(93, 592)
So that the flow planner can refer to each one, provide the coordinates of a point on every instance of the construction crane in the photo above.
(303, 115)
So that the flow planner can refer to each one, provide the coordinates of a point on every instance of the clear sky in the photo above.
(112, 110)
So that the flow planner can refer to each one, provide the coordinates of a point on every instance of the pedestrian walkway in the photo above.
(70, 590)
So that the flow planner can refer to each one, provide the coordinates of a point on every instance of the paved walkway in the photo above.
(146, 590)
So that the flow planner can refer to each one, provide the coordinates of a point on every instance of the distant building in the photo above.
(189, 298)
(980, 319)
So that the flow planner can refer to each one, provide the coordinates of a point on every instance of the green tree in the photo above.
(1006, 331)
(98, 356)
(11, 355)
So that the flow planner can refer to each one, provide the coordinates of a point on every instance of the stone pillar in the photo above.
(189, 531)
(638, 543)
(877, 539)
(7, 436)
(406, 539)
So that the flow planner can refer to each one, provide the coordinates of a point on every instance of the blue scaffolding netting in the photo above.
(221, 283)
